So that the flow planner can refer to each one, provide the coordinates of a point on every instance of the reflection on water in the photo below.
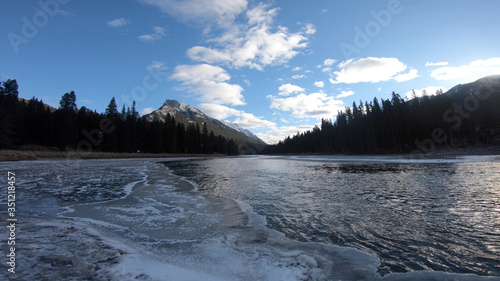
(437, 215)
(361, 168)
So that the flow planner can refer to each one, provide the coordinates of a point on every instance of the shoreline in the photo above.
(12, 155)
(33, 155)
(443, 152)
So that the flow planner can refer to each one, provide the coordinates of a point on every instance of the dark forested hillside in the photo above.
(464, 116)
(32, 123)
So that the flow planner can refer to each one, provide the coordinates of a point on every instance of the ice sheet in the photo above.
(153, 226)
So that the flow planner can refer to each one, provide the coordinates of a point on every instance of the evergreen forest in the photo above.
(68, 128)
(418, 125)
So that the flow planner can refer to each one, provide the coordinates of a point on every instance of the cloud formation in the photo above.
(319, 84)
(157, 65)
(344, 94)
(118, 22)
(254, 45)
(310, 29)
(288, 89)
(159, 32)
(372, 70)
(208, 82)
(329, 62)
(471, 72)
(278, 134)
(412, 74)
(442, 63)
(147, 110)
(316, 105)
(243, 119)
(222, 12)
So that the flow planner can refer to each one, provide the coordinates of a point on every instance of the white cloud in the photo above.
(310, 29)
(278, 134)
(442, 63)
(199, 53)
(371, 69)
(344, 94)
(159, 32)
(288, 89)
(430, 91)
(297, 68)
(217, 111)
(243, 119)
(319, 84)
(471, 72)
(118, 22)
(209, 83)
(261, 15)
(412, 74)
(249, 121)
(298, 76)
(158, 65)
(316, 105)
(222, 12)
(147, 110)
(254, 45)
(329, 62)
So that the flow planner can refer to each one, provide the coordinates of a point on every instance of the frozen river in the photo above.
(260, 218)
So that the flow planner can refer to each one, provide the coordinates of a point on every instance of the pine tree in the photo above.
(111, 139)
(65, 122)
(9, 115)
(133, 111)
(10, 88)
(68, 102)
(112, 110)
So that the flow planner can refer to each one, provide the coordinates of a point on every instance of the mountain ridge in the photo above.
(186, 114)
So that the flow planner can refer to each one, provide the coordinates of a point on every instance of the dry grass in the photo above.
(23, 155)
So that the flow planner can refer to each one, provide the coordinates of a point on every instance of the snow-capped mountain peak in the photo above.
(187, 114)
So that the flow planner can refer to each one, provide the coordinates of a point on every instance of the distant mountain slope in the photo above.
(186, 114)
(486, 84)
(477, 98)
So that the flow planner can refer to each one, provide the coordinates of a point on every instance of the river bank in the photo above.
(27, 155)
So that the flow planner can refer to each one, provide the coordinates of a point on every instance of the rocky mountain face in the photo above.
(186, 114)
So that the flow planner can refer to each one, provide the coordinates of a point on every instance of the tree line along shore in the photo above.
(69, 130)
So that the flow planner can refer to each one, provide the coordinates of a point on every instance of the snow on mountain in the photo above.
(186, 114)
(242, 130)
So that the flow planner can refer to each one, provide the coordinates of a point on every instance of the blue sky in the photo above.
(273, 67)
